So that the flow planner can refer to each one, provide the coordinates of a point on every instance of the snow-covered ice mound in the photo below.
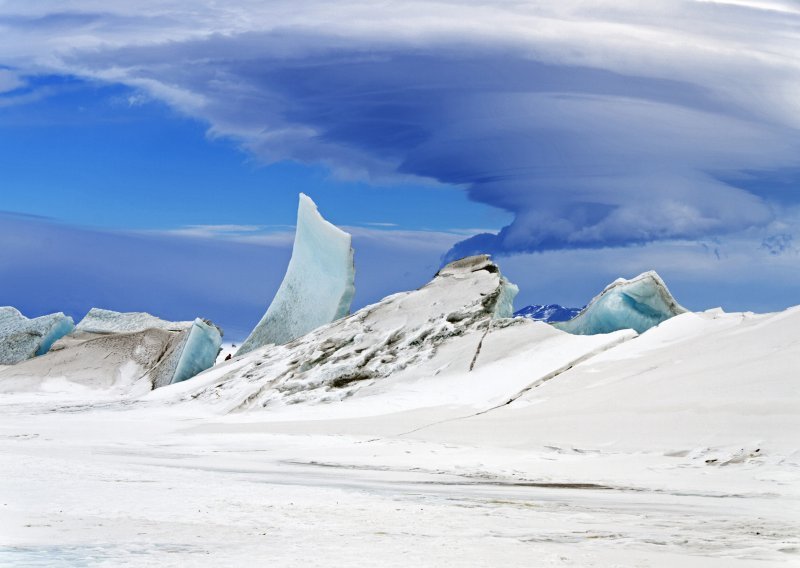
(108, 321)
(22, 338)
(334, 361)
(318, 286)
(639, 304)
(119, 353)
(413, 342)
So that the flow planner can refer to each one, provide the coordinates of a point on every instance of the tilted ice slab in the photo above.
(22, 338)
(200, 349)
(119, 353)
(318, 286)
(639, 304)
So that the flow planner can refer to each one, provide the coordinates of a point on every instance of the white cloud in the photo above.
(10, 81)
(594, 122)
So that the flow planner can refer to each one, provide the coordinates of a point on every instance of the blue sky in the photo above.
(151, 155)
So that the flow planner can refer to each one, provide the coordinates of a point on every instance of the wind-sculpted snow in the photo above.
(639, 304)
(117, 353)
(22, 338)
(318, 286)
(331, 363)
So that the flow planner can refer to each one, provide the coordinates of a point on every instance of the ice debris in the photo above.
(107, 321)
(639, 304)
(318, 286)
(122, 352)
(468, 296)
(22, 338)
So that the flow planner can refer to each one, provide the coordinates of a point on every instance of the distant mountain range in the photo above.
(548, 313)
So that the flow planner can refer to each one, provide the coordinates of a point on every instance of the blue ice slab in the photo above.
(639, 304)
(318, 286)
(22, 338)
(199, 351)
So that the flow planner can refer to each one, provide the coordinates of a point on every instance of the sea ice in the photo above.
(443, 325)
(120, 352)
(199, 352)
(22, 338)
(639, 304)
(107, 321)
(318, 286)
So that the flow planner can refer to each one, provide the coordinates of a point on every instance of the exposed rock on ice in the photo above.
(318, 286)
(119, 352)
(547, 313)
(400, 331)
(639, 304)
(22, 338)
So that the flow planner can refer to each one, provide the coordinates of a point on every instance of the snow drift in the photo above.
(400, 332)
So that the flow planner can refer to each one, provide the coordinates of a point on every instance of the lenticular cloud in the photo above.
(595, 125)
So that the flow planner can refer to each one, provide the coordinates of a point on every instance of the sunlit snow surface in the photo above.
(22, 338)
(425, 431)
(318, 286)
(639, 304)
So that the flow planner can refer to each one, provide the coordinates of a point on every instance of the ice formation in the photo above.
(22, 338)
(107, 321)
(464, 302)
(115, 351)
(639, 304)
(318, 286)
(200, 349)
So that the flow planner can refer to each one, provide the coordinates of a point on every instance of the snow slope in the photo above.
(425, 430)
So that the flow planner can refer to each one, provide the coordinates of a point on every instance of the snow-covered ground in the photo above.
(678, 447)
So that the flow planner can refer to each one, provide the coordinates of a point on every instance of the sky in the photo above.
(151, 153)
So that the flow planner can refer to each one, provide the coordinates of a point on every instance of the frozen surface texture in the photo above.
(421, 430)
(548, 313)
(398, 333)
(117, 354)
(107, 321)
(639, 304)
(318, 286)
(22, 338)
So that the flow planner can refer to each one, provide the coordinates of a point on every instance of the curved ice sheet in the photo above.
(639, 304)
(318, 286)
(22, 338)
